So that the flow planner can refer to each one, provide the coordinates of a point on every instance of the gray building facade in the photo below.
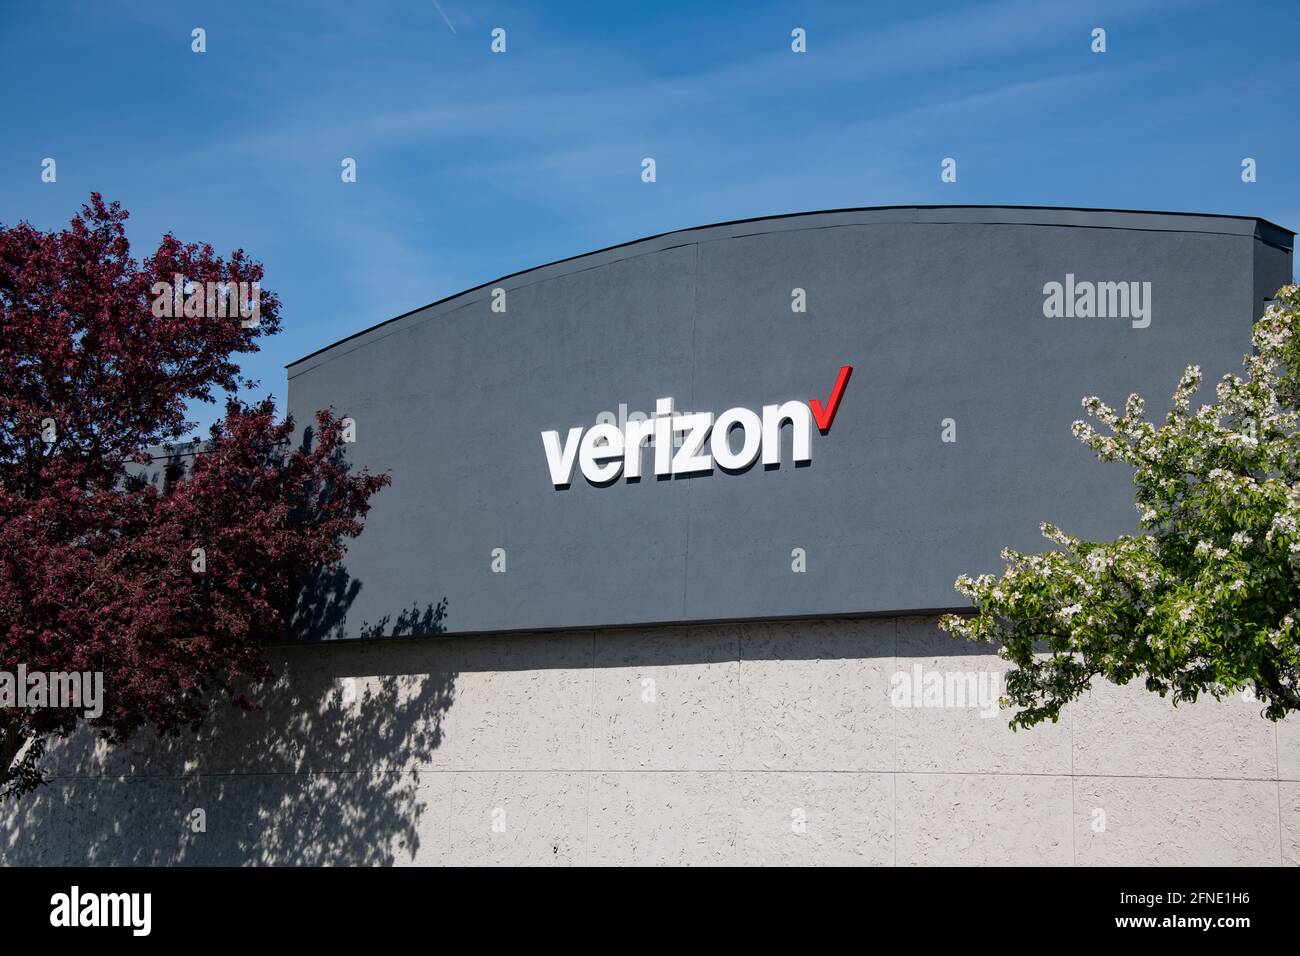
(656, 579)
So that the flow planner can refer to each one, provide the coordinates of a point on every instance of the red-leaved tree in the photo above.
(99, 570)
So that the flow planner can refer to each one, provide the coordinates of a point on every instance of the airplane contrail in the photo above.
(444, 16)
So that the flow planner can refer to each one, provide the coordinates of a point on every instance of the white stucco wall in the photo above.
(408, 751)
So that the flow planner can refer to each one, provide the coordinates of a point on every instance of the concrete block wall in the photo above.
(747, 744)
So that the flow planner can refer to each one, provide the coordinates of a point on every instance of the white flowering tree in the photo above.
(1206, 599)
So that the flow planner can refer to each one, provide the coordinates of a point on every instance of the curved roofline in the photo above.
(776, 218)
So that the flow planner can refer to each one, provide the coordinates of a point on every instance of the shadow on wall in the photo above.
(322, 773)
(320, 613)
(323, 598)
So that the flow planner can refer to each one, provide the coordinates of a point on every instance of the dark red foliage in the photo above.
(96, 565)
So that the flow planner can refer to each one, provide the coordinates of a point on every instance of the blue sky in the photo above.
(472, 165)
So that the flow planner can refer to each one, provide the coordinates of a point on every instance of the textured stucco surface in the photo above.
(747, 744)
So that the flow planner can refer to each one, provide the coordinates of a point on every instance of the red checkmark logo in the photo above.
(825, 415)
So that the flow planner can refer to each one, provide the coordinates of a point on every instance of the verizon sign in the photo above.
(733, 440)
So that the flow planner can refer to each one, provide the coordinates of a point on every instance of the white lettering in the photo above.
(560, 460)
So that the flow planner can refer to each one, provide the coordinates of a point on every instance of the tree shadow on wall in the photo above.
(326, 771)
(322, 599)
(409, 623)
